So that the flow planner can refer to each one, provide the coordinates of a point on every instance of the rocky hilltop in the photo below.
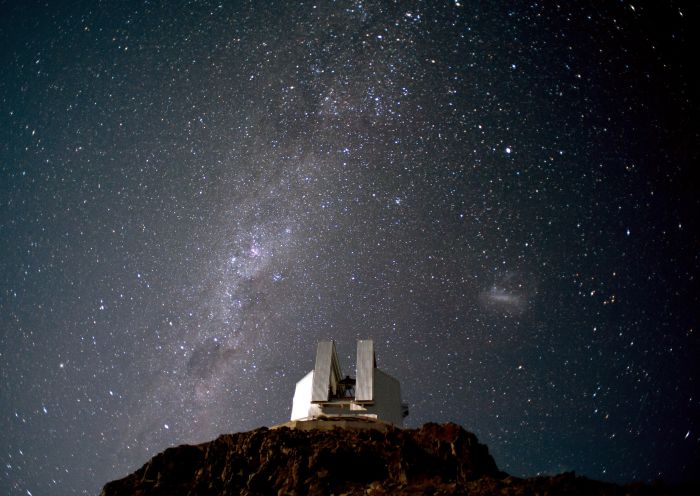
(435, 459)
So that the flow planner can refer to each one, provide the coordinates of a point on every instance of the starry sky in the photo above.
(500, 194)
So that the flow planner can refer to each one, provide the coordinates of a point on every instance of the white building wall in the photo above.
(387, 398)
(302, 397)
(386, 405)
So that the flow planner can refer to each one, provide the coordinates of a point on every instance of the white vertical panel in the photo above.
(364, 387)
(322, 371)
(326, 370)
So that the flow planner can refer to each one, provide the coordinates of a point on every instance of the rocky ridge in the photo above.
(438, 459)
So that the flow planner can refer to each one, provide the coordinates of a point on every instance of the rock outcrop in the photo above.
(435, 459)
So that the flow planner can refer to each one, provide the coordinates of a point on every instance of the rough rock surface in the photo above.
(435, 459)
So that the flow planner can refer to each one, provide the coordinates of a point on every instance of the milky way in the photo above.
(192, 194)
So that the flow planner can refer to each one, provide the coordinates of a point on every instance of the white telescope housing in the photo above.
(324, 392)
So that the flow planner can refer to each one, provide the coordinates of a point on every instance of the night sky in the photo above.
(193, 193)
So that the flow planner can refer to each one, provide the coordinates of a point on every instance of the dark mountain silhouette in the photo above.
(351, 458)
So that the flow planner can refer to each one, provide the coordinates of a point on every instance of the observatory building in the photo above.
(324, 392)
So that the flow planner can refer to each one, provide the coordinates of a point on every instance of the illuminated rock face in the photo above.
(317, 461)
(371, 394)
(439, 459)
